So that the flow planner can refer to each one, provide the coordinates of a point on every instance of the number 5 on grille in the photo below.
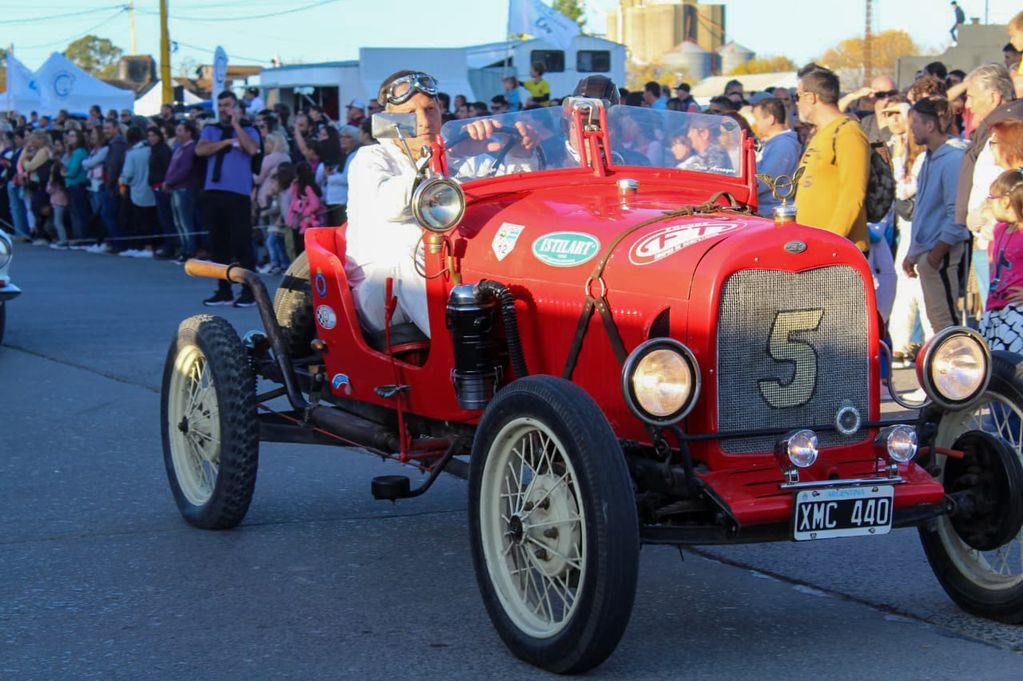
(783, 348)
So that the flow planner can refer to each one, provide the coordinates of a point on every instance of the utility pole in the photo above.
(131, 17)
(868, 52)
(165, 66)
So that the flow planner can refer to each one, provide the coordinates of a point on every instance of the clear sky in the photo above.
(335, 29)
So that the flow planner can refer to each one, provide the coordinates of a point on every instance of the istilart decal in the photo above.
(566, 249)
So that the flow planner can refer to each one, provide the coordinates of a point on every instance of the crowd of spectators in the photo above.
(246, 182)
(151, 187)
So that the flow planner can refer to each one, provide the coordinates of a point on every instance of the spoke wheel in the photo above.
(554, 525)
(985, 582)
(535, 543)
(210, 435)
(193, 412)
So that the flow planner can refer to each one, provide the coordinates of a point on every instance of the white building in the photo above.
(475, 71)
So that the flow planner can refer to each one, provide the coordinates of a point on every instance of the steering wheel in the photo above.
(514, 137)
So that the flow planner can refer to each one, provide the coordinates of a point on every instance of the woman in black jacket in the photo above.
(159, 160)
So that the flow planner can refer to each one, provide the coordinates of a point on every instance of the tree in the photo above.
(638, 75)
(94, 55)
(764, 65)
(886, 48)
(573, 9)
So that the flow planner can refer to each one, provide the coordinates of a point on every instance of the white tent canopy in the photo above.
(62, 85)
(21, 95)
(149, 103)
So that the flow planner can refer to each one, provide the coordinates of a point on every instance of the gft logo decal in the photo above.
(660, 243)
(63, 83)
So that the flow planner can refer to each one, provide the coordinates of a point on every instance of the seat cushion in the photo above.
(400, 335)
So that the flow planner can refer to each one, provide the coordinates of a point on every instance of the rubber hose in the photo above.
(511, 323)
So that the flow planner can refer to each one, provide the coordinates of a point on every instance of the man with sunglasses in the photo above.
(881, 90)
(836, 163)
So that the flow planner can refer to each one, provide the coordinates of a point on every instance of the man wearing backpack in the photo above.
(936, 246)
(836, 164)
(230, 148)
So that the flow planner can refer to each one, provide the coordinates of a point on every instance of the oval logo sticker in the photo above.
(565, 249)
(326, 317)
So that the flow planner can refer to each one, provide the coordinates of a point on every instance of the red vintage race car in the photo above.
(621, 353)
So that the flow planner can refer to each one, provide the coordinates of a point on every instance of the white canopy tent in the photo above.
(62, 85)
(149, 103)
(21, 95)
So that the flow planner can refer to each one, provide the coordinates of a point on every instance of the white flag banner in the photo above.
(541, 21)
(219, 72)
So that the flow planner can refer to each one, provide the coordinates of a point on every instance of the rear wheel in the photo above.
(554, 529)
(208, 422)
(293, 307)
(984, 576)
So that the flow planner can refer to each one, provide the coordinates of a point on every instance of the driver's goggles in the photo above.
(403, 89)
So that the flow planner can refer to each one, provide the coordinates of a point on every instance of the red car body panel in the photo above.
(675, 265)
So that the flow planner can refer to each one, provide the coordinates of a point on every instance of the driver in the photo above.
(383, 236)
(382, 233)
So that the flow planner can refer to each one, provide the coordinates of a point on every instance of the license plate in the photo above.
(848, 512)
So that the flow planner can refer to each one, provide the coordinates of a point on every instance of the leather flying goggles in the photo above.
(404, 88)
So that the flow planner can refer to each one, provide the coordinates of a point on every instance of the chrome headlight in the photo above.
(661, 381)
(956, 367)
(799, 447)
(6, 250)
(438, 204)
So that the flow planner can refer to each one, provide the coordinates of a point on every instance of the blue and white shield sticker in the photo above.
(504, 240)
(326, 317)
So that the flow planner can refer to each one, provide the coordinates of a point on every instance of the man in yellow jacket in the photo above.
(836, 163)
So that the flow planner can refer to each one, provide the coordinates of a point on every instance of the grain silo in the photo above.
(733, 55)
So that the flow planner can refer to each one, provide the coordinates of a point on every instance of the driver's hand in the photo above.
(483, 129)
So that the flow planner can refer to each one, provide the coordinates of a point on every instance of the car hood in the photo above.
(558, 236)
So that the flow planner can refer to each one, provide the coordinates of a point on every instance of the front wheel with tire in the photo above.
(978, 556)
(208, 423)
(553, 522)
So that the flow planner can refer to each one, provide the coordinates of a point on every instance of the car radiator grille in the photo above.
(792, 350)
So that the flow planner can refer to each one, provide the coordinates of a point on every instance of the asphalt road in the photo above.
(100, 577)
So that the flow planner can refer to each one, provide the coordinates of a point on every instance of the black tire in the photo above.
(595, 481)
(293, 307)
(208, 347)
(965, 579)
(3, 319)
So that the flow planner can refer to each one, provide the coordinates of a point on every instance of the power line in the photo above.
(65, 15)
(232, 56)
(251, 16)
(75, 36)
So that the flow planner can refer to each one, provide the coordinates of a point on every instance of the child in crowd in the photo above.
(307, 209)
(1002, 323)
(274, 218)
(538, 88)
(57, 192)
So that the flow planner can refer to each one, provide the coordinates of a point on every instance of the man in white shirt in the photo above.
(383, 238)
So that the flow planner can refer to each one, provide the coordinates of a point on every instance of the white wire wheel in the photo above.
(208, 423)
(555, 534)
